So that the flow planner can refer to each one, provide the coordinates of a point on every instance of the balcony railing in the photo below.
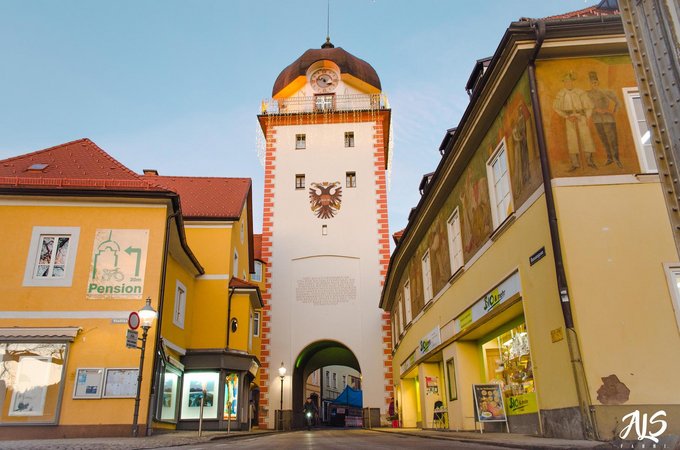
(324, 103)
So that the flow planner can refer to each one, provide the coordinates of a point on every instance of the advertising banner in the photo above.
(489, 403)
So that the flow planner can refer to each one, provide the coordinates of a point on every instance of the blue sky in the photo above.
(176, 85)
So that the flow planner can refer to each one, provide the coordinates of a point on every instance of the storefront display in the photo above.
(199, 385)
(231, 396)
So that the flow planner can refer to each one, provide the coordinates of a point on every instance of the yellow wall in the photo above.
(622, 307)
(101, 343)
(175, 272)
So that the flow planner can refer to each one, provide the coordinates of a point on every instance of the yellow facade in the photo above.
(488, 302)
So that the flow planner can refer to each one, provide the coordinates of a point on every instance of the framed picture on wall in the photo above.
(88, 383)
(451, 377)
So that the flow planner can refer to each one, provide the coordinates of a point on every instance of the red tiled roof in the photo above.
(78, 164)
(603, 8)
(240, 284)
(397, 236)
(207, 197)
(257, 246)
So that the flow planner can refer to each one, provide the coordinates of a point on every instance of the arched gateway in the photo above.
(325, 233)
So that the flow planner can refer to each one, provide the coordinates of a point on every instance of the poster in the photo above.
(489, 403)
(118, 264)
(121, 383)
(196, 392)
(88, 383)
(30, 386)
(230, 396)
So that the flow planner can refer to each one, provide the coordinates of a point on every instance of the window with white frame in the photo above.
(427, 277)
(180, 304)
(641, 133)
(300, 141)
(235, 268)
(51, 256)
(351, 179)
(455, 241)
(256, 323)
(400, 317)
(349, 138)
(407, 302)
(335, 380)
(257, 276)
(499, 185)
(300, 181)
(673, 276)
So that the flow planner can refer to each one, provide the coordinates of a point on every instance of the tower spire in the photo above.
(328, 43)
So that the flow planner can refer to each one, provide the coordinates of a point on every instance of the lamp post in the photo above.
(282, 374)
(146, 316)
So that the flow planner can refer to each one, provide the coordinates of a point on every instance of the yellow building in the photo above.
(90, 241)
(536, 284)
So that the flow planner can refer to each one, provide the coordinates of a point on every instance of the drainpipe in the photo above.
(231, 293)
(157, 342)
(563, 289)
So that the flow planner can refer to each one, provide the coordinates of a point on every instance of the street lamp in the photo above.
(282, 374)
(146, 316)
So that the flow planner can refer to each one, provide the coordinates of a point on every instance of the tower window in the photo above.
(349, 138)
(300, 181)
(324, 102)
(300, 141)
(351, 178)
(324, 230)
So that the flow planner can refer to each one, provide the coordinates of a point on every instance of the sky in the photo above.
(176, 85)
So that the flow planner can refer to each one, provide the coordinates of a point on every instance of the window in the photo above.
(51, 257)
(349, 138)
(300, 181)
(234, 270)
(328, 378)
(242, 233)
(180, 304)
(344, 381)
(455, 241)
(300, 141)
(400, 317)
(324, 230)
(395, 337)
(673, 276)
(324, 102)
(351, 178)
(641, 132)
(335, 380)
(427, 277)
(256, 323)
(499, 185)
(257, 276)
(407, 301)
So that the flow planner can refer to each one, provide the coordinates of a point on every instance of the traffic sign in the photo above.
(133, 320)
(131, 339)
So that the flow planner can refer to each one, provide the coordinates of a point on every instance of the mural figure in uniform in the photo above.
(575, 106)
(519, 137)
(603, 118)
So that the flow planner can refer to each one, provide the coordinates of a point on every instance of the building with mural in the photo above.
(535, 285)
(91, 241)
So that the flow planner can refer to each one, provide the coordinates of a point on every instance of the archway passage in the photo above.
(317, 356)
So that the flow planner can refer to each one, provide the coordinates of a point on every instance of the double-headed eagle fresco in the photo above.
(325, 199)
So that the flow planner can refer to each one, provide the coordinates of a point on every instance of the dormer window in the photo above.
(324, 102)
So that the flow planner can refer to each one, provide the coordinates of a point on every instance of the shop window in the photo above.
(349, 138)
(192, 390)
(256, 323)
(407, 302)
(168, 401)
(641, 133)
(451, 377)
(507, 361)
(180, 304)
(351, 179)
(300, 141)
(257, 275)
(455, 242)
(31, 382)
(427, 277)
(230, 396)
(499, 185)
(51, 256)
(673, 276)
(300, 181)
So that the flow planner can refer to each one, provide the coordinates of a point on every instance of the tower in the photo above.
(325, 229)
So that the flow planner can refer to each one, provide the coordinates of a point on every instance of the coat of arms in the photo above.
(325, 199)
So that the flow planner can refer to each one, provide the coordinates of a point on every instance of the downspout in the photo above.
(231, 293)
(562, 287)
(157, 341)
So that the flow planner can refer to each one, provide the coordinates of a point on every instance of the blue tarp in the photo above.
(350, 397)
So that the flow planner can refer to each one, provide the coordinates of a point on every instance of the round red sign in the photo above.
(133, 320)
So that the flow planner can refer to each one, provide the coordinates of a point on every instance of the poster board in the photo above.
(88, 383)
(120, 383)
(489, 405)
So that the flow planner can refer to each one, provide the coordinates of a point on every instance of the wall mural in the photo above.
(515, 124)
(586, 126)
(325, 199)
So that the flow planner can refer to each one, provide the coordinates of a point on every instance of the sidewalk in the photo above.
(172, 439)
(509, 440)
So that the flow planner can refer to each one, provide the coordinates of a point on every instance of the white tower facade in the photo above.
(325, 228)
